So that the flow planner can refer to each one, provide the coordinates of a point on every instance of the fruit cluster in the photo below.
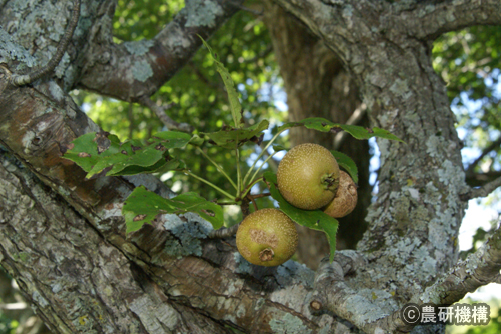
(309, 178)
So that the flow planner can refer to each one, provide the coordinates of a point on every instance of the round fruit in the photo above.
(308, 176)
(346, 197)
(267, 238)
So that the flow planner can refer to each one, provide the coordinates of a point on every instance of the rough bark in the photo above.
(317, 85)
(76, 281)
(63, 238)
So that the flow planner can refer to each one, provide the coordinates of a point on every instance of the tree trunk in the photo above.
(63, 237)
(76, 280)
(318, 86)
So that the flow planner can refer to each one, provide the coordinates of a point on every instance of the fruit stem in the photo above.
(264, 162)
(259, 195)
(239, 173)
(262, 153)
(226, 202)
(251, 198)
(187, 172)
(221, 170)
(248, 189)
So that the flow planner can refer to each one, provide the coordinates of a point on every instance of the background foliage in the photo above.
(242, 45)
(469, 62)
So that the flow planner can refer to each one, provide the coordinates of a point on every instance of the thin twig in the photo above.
(483, 191)
(494, 145)
(259, 195)
(260, 155)
(239, 6)
(479, 179)
(160, 112)
(354, 119)
(26, 79)
(131, 120)
(254, 204)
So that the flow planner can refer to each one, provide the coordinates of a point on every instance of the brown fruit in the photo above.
(308, 176)
(267, 237)
(346, 197)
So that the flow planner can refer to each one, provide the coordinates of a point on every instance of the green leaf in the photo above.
(142, 206)
(314, 219)
(84, 153)
(161, 166)
(172, 139)
(232, 138)
(382, 133)
(324, 125)
(128, 158)
(316, 123)
(196, 140)
(278, 148)
(330, 229)
(235, 106)
(347, 163)
(142, 159)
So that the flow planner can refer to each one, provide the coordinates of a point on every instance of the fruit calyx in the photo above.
(330, 182)
(266, 255)
(346, 197)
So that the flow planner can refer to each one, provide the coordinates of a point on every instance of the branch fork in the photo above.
(26, 79)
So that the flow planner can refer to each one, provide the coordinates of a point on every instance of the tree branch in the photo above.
(250, 10)
(451, 15)
(224, 232)
(160, 112)
(329, 274)
(341, 299)
(493, 146)
(79, 268)
(483, 191)
(132, 69)
(355, 117)
(479, 179)
(26, 79)
(479, 268)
